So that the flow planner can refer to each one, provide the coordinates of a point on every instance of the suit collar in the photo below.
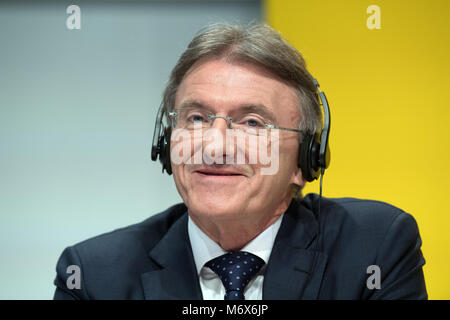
(290, 273)
(205, 249)
(174, 275)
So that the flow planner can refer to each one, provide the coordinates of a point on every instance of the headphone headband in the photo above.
(324, 153)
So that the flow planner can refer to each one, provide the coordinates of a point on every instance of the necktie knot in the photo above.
(235, 269)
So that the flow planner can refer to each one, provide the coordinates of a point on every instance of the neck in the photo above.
(233, 234)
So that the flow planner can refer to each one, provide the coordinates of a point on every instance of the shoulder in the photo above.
(358, 233)
(121, 248)
(361, 224)
(143, 235)
(111, 263)
(361, 213)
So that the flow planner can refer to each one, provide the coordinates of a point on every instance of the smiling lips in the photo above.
(218, 172)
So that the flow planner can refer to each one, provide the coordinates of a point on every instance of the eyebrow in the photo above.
(259, 109)
(193, 103)
(246, 108)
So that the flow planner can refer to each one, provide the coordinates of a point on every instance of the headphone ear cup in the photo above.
(164, 147)
(308, 161)
(303, 157)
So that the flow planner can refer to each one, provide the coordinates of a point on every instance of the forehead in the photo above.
(225, 86)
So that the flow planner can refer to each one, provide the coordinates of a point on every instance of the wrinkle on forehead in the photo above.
(231, 76)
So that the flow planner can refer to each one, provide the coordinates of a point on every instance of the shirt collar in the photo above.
(205, 249)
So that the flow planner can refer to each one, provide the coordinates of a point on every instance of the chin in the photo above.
(219, 205)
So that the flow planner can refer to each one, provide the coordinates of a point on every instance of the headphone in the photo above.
(161, 142)
(314, 151)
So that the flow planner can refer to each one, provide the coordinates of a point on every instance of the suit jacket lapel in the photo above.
(288, 275)
(174, 275)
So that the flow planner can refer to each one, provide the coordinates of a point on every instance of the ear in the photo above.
(297, 178)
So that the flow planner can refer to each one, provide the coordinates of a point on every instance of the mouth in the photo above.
(218, 173)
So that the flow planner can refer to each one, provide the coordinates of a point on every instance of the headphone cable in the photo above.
(318, 236)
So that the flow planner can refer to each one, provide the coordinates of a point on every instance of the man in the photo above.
(240, 233)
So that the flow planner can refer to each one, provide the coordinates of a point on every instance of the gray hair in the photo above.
(255, 43)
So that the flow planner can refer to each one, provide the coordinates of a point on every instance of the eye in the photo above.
(196, 118)
(253, 122)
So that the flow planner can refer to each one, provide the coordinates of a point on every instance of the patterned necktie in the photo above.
(236, 269)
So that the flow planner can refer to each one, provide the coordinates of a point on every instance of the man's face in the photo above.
(209, 191)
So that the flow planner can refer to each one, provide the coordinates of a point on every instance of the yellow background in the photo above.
(389, 95)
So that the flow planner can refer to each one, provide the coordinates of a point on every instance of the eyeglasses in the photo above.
(193, 118)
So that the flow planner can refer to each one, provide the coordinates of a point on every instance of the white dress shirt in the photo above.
(205, 249)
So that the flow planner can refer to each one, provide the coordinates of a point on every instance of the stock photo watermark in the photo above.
(73, 22)
(205, 146)
(74, 280)
(374, 280)
(373, 22)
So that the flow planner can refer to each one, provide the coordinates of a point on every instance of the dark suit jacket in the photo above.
(153, 259)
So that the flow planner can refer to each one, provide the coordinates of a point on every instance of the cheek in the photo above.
(179, 179)
(181, 147)
(289, 150)
(279, 181)
(280, 157)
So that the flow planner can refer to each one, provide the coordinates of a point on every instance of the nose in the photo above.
(219, 124)
(215, 141)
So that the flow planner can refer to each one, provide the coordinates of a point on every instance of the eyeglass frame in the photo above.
(229, 120)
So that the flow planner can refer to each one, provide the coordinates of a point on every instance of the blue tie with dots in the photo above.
(236, 269)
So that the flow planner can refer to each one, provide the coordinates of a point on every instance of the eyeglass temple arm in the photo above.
(271, 126)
